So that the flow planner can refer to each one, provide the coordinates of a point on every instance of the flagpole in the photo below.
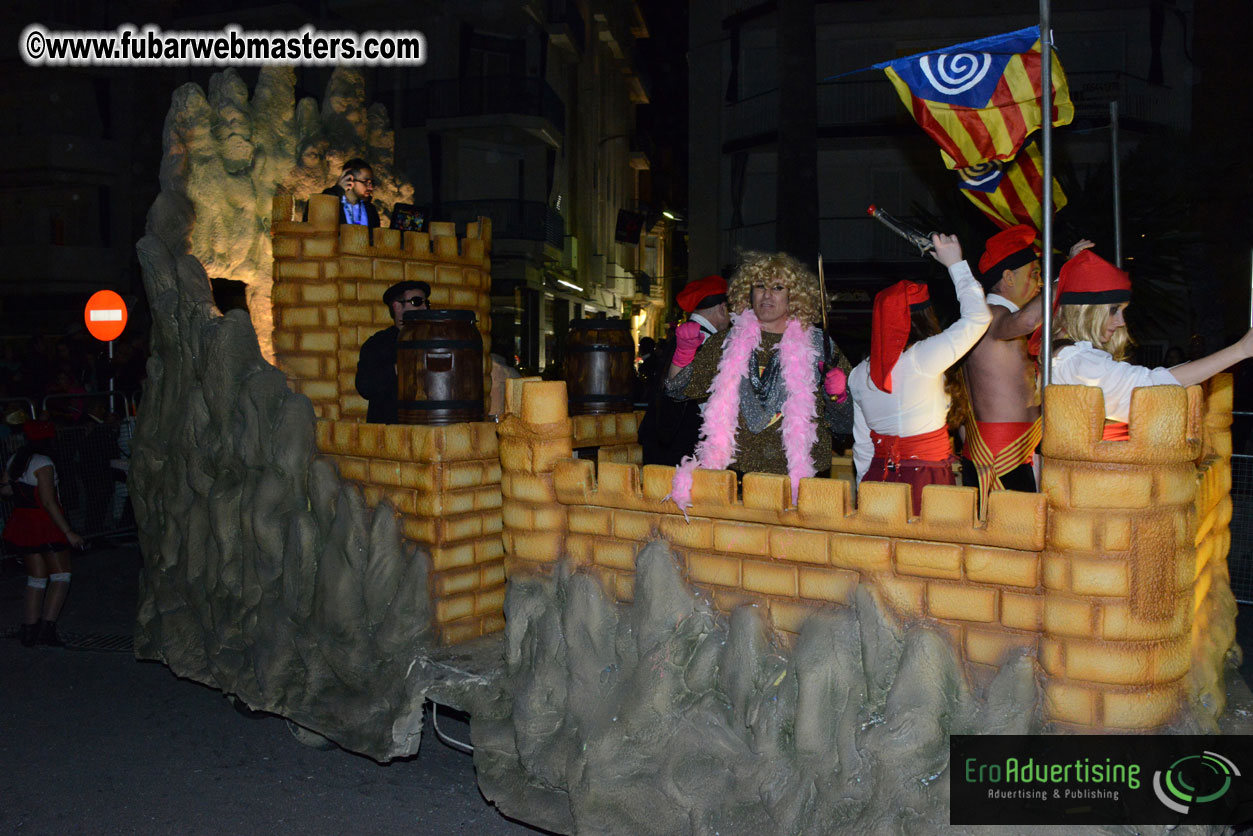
(1113, 162)
(1046, 198)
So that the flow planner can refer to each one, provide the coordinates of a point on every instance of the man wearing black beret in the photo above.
(376, 367)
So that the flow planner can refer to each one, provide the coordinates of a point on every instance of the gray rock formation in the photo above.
(664, 718)
(265, 576)
(228, 155)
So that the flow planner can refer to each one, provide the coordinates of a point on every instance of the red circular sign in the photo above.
(105, 315)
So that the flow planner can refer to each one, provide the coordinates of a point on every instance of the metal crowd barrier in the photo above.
(28, 403)
(1240, 559)
(92, 460)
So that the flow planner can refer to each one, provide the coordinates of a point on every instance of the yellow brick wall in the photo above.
(1106, 576)
(1119, 567)
(445, 485)
(328, 289)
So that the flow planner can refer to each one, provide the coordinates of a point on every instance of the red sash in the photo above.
(1115, 431)
(932, 447)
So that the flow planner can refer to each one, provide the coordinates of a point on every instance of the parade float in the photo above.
(760, 664)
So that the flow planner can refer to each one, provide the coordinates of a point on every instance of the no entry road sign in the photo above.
(105, 315)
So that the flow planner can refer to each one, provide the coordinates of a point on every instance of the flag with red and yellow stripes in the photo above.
(980, 100)
(1011, 192)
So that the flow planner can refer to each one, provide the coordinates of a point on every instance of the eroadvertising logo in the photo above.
(1100, 779)
(1211, 771)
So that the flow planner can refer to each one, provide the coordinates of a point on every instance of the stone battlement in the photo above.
(1104, 577)
(444, 483)
(1165, 426)
(328, 290)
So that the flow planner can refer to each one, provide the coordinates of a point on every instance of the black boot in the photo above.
(48, 634)
(30, 633)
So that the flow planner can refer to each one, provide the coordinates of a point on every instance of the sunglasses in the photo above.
(416, 301)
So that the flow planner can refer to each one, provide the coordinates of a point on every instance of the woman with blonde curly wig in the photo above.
(771, 407)
(1090, 341)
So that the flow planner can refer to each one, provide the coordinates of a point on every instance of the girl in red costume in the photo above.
(39, 531)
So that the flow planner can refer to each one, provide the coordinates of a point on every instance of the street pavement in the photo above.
(95, 742)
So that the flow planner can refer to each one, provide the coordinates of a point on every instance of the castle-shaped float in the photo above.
(1114, 577)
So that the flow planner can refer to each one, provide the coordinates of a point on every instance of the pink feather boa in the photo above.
(716, 450)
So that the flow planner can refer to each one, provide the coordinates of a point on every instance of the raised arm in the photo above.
(935, 354)
(1196, 371)
(1019, 323)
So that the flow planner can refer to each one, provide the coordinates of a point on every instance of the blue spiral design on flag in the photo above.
(955, 73)
(982, 177)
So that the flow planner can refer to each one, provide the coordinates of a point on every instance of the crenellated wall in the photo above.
(1105, 576)
(1113, 577)
(328, 293)
(444, 483)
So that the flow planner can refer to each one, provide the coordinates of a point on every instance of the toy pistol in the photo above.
(909, 232)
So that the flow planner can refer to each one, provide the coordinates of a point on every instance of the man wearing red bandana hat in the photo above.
(902, 394)
(1090, 340)
(670, 428)
(1000, 371)
(1000, 374)
(705, 302)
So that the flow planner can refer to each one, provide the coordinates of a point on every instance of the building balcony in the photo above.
(643, 150)
(488, 106)
(566, 27)
(512, 220)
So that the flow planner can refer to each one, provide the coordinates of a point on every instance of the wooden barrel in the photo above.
(439, 363)
(600, 366)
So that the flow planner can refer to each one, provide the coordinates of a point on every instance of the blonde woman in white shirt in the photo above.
(1090, 341)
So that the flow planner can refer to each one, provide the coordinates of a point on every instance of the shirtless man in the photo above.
(1000, 373)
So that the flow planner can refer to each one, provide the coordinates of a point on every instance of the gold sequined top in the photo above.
(761, 452)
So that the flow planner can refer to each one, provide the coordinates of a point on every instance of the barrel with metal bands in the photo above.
(600, 366)
(439, 363)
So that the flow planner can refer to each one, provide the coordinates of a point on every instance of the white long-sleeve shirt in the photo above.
(1086, 365)
(917, 403)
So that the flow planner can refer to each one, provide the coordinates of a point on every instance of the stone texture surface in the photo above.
(227, 154)
(265, 575)
(663, 717)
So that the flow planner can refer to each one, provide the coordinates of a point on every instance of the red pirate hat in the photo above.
(703, 293)
(1086, 279)
(1008, 249)
(889, 330)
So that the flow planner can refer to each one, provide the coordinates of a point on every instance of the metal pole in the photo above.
(1046, 199)
(1114, 167)
(111, 407)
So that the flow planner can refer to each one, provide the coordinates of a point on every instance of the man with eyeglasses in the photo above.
(355, 190)
(376, 366)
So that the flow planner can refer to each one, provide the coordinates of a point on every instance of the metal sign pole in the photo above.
(1046, 199)
(111, 405)
(1114, 169)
